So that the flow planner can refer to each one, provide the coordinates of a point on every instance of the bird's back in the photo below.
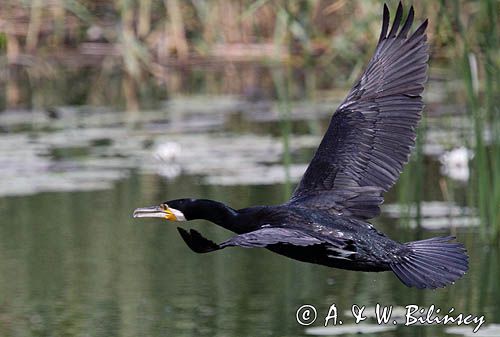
(347, 236)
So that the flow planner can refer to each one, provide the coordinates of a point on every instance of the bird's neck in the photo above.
(215, 212)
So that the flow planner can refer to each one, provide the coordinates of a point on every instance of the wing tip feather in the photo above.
(420, 30)
(385, 23)
(408, 23)
(397, 21)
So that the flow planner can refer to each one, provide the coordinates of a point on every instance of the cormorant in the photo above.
(368, 141)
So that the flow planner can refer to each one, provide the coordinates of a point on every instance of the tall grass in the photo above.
(479, 54)
(410, 192)
(281, 79)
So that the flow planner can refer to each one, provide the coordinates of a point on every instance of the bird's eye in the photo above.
(163, 206)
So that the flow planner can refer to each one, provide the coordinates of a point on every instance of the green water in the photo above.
(77, 264)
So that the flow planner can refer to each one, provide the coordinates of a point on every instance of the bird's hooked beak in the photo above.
(161, 211)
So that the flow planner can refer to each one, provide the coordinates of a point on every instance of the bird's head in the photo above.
(189, 209)
(173, 210)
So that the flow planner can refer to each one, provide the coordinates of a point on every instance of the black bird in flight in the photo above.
(368, 141)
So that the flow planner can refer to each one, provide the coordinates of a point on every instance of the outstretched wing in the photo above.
(276, 239)
(371, 134)
(263, 237)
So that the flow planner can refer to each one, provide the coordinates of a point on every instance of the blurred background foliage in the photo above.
(145, 39)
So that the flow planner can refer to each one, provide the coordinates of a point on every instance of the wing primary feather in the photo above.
(408, 23)
(420, 30)
(385, 24)
(397, 21)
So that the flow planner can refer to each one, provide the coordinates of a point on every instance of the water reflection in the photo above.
(77, 264)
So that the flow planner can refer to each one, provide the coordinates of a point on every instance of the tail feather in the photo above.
(432, 263)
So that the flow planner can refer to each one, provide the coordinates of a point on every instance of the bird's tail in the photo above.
(431, 263)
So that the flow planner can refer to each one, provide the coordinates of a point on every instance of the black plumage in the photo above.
(368, 141)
